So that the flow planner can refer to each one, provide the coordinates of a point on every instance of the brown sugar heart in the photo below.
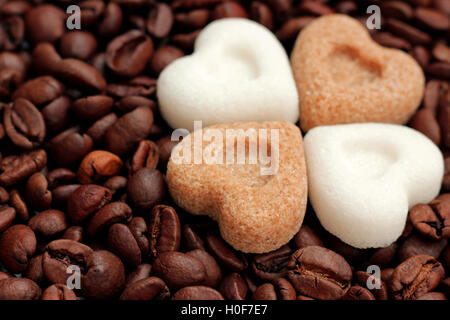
(249, 177)
(343, 76)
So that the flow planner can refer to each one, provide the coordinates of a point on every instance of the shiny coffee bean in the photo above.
(86, 200)
(233, 287)
(17, 246)
(197, 293)
(151, 288)
(272, 265)
(58, 292)
(146, 188)
(48, 223)
(224, 254)
(164, 230)
(19, 289)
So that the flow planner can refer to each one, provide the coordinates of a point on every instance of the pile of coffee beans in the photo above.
(84, 207)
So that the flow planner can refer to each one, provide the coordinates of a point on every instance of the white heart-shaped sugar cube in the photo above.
(238, 72)
(363, 179)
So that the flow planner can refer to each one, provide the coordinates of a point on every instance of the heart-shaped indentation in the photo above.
(343, 76)
(238, 72)
(363, 178)
(249, 177)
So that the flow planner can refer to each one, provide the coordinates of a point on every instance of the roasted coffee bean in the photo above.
(314, 8)
(151, 288)
(7, 215)
(14, 169)
(69, 147)
(284, 289)
(128, 54)
(98, 165)
(139, 86)
(35, 269)
(190, 240)
(141, 272)
(272, 265)
(410, 33)
(229, 9)
(185, 41)
(441, 52)
(24, 124)
(265, 291)
(262, 14)
(60, 176)
(116, 184)
(194, 19)
(417, 244)
(213, 272)
(290, 29)
(111, 213)
(306, 236)
(12, 32)
(48, 223)
(164, 230)
(224, 254)
(440, 70)
(233, 287)
(19, 289)
(386, 39)
(397, 10)
(17, 246)
(433, 296)
(18, 203)
(93, 107)
(80, 74)
(138, 228)
(197, 293)
(122, 242)
(415, 277)
(104, 275)
(162, 57)
(98, 129)
(127, 131)
(432, 220)
(358, 293)
(78, 44)
(421, 55)
(91, 12)
(432, 19)
(61, 195)
(39, 90)
(146, 156)
(379, 289)
(159, 20)
(382, 257)
(192, 4)
(37, 193)
(425, 122)
(74, 233)
(112, 20)
(165, 146)
(86, 200)
(146, 188)
(61, 254)
(58, 292)
(319, 273)
(129, 103)
(45, 23)
(179, 269)
(4, 195)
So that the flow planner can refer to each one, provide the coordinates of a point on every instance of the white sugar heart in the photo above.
(363, 179)
(238, 72)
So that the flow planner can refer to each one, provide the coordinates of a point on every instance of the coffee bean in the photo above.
(386, 39)
(432, 19)
(425, 122)
(39, 90)
(358, 293)
(194, 19)
(272, 265)
(440, 70)
(415, 277)
(165, 146)
(104, 275)
(91, 12)
(432, 220)
(35, 269)
(262, 14)
(396, 9)
(314, 8)
(60, 176)
(78, 44)
(146, 188)
(61, 254)
(17, 246)
(159, 20)
(58, 292)
(117, 185)
(233, 287)
(319, 273)
(290, 29)
(69, 147)
(197, 293)
(164, 230)
(151, 288)
(224, 254)
(111, 213)
(382, 257)
(229, 9)
(265, 291)
(141, 272)
(128, 130)
(441, 52)
(410, 33)
(80, 74)
(98, 165)
(18, 203)
(45, 23)
(86, 200)
(421, 55)
(185, 41)
(7, 215)
(179, 269)
(61, 195)
(14, 169)
(128, 53)
(162, 57)
(74, 233)
(138, 228)
(93, 107)
(98, 130)
(122, 242)
(213, 272)
(379, 290)
(24, 124)
(146, 156)
(416, 245)
(284, 289)
(37, 193)
(112, 20)
(19, 289)
(306, 236)
(48, 223)
(191, 240)
(433, 296)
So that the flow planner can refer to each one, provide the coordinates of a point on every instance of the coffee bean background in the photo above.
(84, 152)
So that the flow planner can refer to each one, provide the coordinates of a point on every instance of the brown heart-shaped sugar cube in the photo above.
(249, 177)
(343, 76)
